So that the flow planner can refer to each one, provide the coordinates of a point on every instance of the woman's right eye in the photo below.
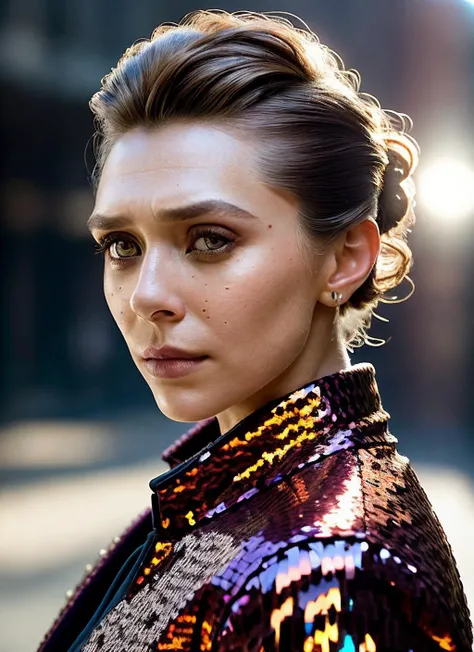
(122, 249)
(117, 247)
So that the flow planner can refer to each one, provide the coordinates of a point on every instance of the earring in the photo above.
(336, 296)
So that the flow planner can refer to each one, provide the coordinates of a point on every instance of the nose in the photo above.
(156, 295)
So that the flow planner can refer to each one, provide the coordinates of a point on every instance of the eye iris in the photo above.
(213, 241)
(120, 249)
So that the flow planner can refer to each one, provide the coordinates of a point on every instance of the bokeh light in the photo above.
(446, 189)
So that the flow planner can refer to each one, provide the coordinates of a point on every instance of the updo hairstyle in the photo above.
(316, 134)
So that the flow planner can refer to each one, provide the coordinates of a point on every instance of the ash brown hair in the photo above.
(333, 147)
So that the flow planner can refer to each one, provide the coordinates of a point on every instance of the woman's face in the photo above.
(201, 255)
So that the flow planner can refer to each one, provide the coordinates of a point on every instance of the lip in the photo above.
(172, 368)
(170, 362)
(169, 352)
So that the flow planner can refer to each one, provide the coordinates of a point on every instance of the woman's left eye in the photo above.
(210, 241)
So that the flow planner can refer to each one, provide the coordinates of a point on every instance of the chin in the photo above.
(187, 410)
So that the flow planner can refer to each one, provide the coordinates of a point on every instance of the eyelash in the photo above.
(103, 247)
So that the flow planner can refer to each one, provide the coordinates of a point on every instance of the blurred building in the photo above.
(60, 349)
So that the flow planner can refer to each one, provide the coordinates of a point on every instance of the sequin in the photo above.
(302, 529)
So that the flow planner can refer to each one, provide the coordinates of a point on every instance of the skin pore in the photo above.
(239, 288)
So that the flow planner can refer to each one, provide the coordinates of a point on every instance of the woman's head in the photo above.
(247, 111)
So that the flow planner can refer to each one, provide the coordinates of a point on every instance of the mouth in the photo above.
(172, 367)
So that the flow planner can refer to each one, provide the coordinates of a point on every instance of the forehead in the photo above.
(177, 159)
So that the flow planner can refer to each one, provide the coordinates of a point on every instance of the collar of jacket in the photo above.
(211, 472)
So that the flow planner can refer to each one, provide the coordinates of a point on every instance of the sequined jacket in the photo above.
(300, 529)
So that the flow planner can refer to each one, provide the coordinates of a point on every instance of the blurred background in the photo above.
(80, 435)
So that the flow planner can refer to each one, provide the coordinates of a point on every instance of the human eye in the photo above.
(118, 247)
(210, 241)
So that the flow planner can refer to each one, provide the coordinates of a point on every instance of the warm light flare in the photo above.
(446, 189)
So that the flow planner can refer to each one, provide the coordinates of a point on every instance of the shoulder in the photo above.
(347, 592)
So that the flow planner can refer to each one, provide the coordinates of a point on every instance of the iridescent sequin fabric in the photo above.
(301, 529)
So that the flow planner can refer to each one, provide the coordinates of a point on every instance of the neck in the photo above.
(315, 361)
(211, 473)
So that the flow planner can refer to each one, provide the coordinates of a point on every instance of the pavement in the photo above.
(68, 488)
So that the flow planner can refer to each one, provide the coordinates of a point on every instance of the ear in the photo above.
(350, 261)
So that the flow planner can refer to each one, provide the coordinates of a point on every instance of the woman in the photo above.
(253, 208)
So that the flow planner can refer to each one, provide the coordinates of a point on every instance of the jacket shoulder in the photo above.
(343, 593)
(400, 517)
(366, 564)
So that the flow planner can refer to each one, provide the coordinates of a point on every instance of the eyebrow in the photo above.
(100, 222)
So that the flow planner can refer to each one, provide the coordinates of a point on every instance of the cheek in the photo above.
(115, 293)
(267, 300)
